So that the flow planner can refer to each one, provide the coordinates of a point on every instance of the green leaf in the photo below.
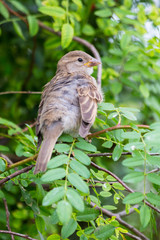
(84, 145)
(2, 165)
(112, 115)
(53, 196)
(134, 177)
(153, 198)
(103, 13)
(82, 157)
(64, 211)
(78, 3)
(131, 135)
(40, 224)
(107, 144)
(56, 12)
(153, 160)
(154, 178)
(67, 35)
(129, 115)
(18, 30)
(75, 199)
(106, 106)
(62, 147)
(128, 109)
(65, 137)
(54, 217)
(88, 30)
(53, 175)
(87, 215)
(33, 25)
(105, 194)
(117, 152)
(118, 186)
(54, 237)
(144, 90)
(69, 228)
(133, 162)
(4, 148)
(125, 41)
(133, 198)
(4, 11)
(104, 232)
(57, 161)
(1, 194)
(145, 215)
(133, 146)
(80, 169)
(109, 207)
(19, 6)
(76, 181)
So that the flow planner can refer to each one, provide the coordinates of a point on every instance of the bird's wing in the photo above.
(88, 98)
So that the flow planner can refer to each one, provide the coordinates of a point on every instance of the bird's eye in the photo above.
(80, 60)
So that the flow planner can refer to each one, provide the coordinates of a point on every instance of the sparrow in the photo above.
(68, 104)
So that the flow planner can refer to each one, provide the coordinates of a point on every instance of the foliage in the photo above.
(81, 195)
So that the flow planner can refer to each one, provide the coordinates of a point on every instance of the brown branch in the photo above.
(115, 128)
(7, 217)
(121, 221)
(123, 184)
(123, 153)
(18, 234)
(14, 12)
(19, 92)
(6, 179)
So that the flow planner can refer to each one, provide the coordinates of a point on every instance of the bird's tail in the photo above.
(47, 147)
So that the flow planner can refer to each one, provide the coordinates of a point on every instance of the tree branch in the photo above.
(7, 217)
(115, 128)
(118, 218)
(123, 184)
(17, 234)
(19, 92)
(123, 153)
(6, 179)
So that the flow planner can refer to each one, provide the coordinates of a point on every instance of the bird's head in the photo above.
(77, 61)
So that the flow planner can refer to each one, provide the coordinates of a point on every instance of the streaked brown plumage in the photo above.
(68, 104)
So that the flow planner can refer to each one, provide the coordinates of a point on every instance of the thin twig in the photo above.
(19, 92)
(6, 179)
(18, 234)
(7, 217)
(123, 184)
(110, 154)
(115, 128)
(121, 221)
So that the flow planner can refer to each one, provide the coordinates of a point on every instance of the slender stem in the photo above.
(17, 234)
(67, 167)
(15, 174)
(115, 128)
(7, 216)
(19, 92)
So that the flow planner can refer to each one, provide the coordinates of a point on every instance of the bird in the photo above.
(68, 104)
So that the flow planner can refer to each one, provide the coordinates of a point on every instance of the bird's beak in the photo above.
(93, 62)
